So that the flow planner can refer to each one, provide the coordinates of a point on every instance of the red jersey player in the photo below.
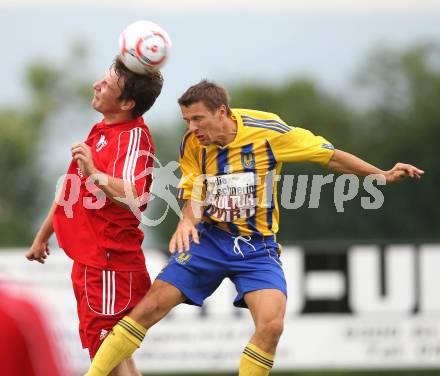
(97, 229)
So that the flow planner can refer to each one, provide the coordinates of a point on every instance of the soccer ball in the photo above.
(144, 47)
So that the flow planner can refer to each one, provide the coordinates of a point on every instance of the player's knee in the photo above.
(151, 309)
(161, 298)
(148, 306)
(271, 329)
(276, 328)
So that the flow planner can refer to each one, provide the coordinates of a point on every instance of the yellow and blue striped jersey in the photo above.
(237, 182)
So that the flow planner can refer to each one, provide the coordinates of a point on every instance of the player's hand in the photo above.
(83, 156)
(38, 251)
(401, 171)
(181, 238)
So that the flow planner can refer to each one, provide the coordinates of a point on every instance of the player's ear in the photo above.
(222, 112)
(128, 105)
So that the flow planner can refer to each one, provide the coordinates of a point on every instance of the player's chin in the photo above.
(204, 141)
(95, 103)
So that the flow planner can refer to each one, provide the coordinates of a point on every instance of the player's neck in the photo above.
(114, 118)
(229, 133)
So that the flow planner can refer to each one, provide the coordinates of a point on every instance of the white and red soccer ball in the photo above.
(144, 47)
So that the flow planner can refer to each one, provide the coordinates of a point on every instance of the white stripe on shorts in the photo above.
(103, 292)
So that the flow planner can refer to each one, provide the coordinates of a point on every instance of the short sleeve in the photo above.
(300, 145)
(190, 166)
(134, 159)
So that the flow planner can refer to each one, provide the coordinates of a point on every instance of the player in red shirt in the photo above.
(97, 212)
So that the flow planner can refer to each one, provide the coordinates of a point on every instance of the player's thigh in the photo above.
(266, 305)
(261, 272)
(197, 273)
(159, 300)
(164, 294)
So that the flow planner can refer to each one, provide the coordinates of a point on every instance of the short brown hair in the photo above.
(143, 89)
(209, 93)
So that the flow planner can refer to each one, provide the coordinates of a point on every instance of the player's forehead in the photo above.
(195, 109)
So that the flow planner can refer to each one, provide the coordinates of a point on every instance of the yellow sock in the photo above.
(125, 337)
(255, 362)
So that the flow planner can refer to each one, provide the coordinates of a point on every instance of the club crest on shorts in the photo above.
(248, 160)
(183, 258)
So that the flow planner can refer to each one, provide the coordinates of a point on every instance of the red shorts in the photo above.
(103, 298)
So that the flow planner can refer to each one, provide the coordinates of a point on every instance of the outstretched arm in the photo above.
(347, 163)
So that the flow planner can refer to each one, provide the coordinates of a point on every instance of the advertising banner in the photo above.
(361, 307)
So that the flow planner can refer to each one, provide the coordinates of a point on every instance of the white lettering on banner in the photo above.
(293, 266)
(325, 285)
(231, 196)
(429, 300)
(362, 307)
(399, 283)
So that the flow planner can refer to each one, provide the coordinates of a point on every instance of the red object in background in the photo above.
(27, 345)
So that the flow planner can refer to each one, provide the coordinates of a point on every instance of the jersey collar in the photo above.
(132, 122)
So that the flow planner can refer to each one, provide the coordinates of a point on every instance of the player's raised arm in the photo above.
(191, 216)
(39, 249)
(347, 163)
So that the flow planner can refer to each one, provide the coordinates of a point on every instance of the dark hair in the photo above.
(143, 89)
(209, 93)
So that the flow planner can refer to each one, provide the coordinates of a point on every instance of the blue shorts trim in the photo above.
(251, 263)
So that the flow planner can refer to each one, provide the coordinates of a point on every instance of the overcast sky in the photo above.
(394, 6)
(230, 41)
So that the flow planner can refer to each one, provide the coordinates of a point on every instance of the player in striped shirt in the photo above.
(94, 227)
(229, 160)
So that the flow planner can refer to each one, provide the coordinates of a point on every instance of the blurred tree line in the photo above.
(398, 121)
(24, 192)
